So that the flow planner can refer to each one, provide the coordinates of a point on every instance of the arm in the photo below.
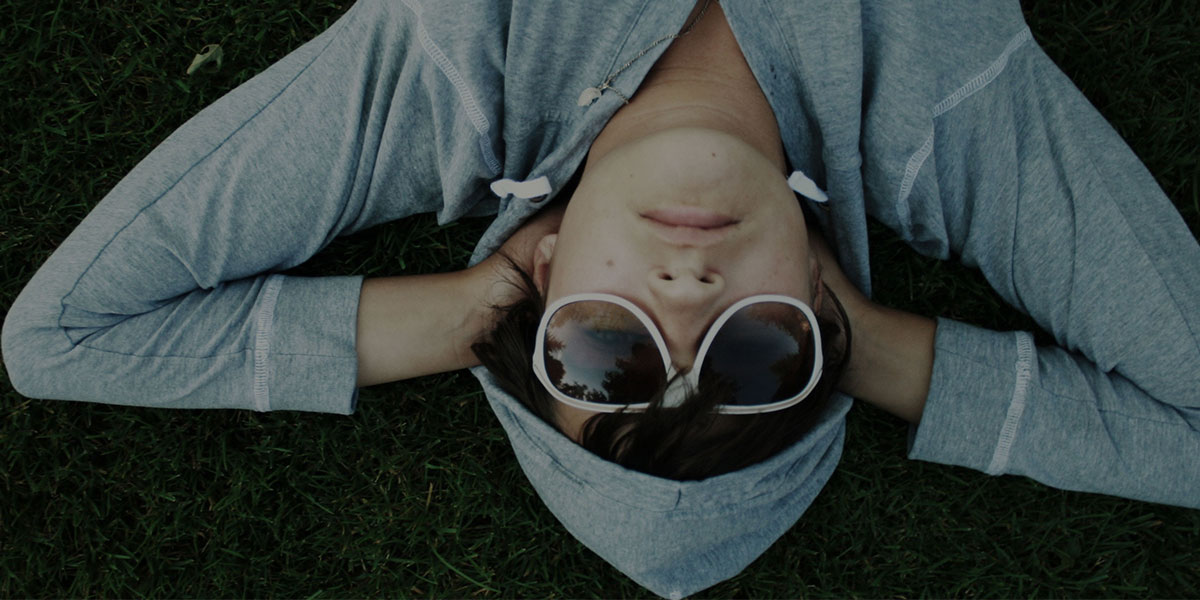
(169, 293)
(891, 357)
(446, 312)
(891, 360)
(1066, 225)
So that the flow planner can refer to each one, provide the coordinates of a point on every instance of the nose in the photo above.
(685, 287)
(684, 296)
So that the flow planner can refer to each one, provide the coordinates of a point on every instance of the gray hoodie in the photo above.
(944, 121)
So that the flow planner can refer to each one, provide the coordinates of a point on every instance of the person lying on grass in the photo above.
(671, 310)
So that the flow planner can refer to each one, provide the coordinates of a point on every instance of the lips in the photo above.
(689, 216)
(689, 226)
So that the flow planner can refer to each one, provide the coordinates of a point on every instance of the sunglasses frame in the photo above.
(677, 389)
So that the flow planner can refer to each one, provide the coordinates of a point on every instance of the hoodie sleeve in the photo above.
(1022, 178)
(168, 293)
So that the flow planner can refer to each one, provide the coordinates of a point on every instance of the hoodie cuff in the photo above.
(304, 344)
(977, 397)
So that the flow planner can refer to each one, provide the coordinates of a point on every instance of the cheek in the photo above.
(781, 267)
(612, 270)
(598, 267)
(784, 273)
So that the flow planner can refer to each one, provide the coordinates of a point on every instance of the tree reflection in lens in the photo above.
(600, 352)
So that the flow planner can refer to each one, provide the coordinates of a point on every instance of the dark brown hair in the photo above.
(686, 442)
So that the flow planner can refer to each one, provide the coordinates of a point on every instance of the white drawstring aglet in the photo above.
(521, 189)
(801, 184)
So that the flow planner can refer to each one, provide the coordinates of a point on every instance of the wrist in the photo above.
(488, 288)
(416, 325)
(490, 285)
(891, 359)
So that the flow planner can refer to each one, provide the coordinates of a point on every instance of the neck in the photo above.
(702, 80)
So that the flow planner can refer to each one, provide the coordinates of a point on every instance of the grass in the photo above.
(417, 494)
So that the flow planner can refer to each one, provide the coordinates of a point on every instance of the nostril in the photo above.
(667, 276)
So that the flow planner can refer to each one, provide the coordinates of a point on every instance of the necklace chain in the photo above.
(591, 94)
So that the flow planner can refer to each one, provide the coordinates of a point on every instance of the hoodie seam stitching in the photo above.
(475, 114)
(977, 83)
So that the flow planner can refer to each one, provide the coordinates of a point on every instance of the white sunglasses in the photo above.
(595, 352)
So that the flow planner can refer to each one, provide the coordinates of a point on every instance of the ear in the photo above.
(541, 262)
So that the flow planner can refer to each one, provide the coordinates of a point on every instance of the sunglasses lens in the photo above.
(600, 352)
(764, 353)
